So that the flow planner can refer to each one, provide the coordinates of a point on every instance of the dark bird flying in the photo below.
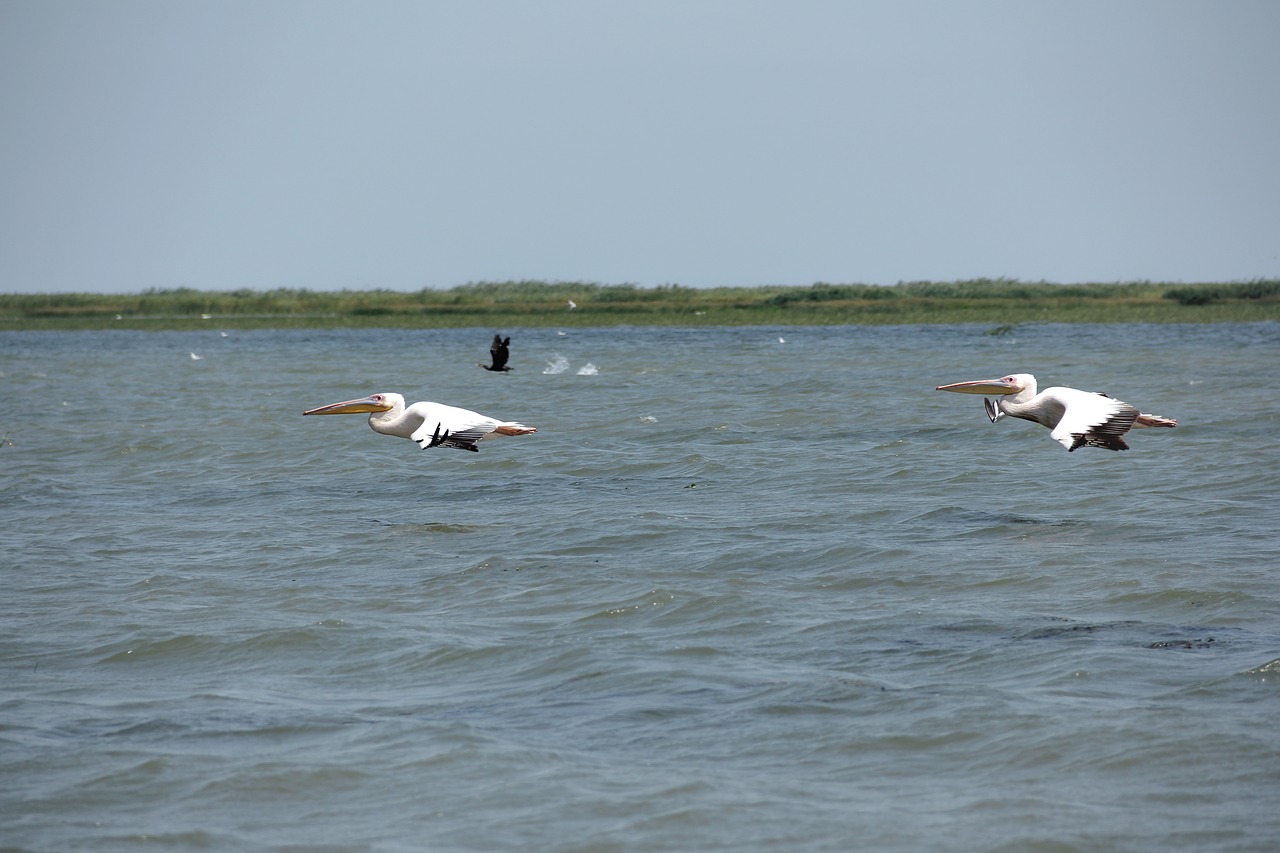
(498, 353)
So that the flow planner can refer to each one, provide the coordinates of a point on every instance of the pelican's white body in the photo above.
(428, 424)
(1075, 418)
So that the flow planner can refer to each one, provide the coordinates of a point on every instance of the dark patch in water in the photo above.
(978, 518)
(428, 527)
(1198, 643)
(1050, 631)
(1178, 637)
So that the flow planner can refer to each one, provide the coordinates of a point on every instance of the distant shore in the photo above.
(566, 304)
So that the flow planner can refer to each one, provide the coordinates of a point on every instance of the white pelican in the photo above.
(429, 424)
(499, 353)
(1076, 418)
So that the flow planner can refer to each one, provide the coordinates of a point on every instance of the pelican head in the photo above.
(372, 403)
(1014, 383)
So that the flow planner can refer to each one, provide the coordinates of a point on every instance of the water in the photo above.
(737, 593)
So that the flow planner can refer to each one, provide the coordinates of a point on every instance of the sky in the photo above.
(226, 144)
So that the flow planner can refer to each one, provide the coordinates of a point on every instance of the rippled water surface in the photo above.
(745, 589)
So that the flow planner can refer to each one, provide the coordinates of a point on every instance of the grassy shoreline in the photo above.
(543, 304)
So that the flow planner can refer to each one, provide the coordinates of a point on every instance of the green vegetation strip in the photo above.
(567, 304)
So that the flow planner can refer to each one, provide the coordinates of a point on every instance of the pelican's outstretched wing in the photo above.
(1091, 420)
(439, 437)
(448, 439)
(449, 426)
(460, 433)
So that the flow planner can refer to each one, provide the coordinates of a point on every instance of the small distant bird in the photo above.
(499, 354)
(1075, 418)
(572, 305)
(195, 357)
(429, 424)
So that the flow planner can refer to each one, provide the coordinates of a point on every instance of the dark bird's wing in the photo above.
(498, 350)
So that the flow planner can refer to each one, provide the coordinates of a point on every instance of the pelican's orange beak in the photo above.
(351, 407)
(981, 386)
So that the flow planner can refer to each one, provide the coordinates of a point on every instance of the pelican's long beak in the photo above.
(350, 407)
(980, 386)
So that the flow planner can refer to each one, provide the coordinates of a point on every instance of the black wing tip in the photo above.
(1106, 442)
(439, 437)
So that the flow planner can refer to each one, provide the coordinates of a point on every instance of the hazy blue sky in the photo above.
(302, 143)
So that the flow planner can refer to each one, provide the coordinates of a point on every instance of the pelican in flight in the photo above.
(429, 424)
(498, 353)
(1075, 418)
